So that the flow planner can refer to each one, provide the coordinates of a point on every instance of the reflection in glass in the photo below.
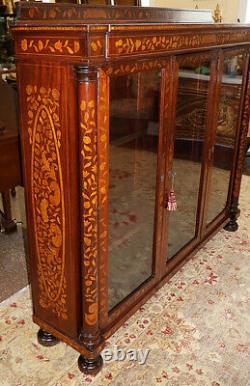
(134, 110)
(229, 106)
(190, 129)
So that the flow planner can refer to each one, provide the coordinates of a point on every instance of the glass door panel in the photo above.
(190, 132)
(229, 107)
(134, 127)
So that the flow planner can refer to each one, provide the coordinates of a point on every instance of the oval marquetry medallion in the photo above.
(48, 204)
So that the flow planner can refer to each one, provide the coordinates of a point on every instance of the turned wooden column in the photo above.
(87, 82)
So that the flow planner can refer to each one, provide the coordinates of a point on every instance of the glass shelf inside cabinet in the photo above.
(133, 147)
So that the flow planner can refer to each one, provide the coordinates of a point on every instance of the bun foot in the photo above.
(90, 366)
(232, 226)
(46, 339)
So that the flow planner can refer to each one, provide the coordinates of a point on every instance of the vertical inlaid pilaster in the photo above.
(103, 187)
(87, 80)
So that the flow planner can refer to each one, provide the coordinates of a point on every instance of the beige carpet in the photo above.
(197, 327)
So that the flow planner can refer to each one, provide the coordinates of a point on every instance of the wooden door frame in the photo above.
(127, 305)
(210, 55)
(162, 270)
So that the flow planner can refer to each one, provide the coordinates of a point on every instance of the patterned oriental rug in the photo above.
(197, 327)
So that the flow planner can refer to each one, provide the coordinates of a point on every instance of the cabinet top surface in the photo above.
(49, 15)
(30, 12)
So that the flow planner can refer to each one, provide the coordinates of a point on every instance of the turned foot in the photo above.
(46, 339)
(232, 226)
(234, 213)
(90, 366)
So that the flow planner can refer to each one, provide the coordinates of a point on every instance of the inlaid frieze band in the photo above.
(49, 45)
(129, 45)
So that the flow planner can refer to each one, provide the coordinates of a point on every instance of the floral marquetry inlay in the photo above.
(103, 185)
(52, 46)
(129, 45)
(129, 68)
(152, 43)
(97, 47)
(44, 129)
(89, 202)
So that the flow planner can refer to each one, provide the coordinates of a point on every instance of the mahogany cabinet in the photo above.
(121, 121)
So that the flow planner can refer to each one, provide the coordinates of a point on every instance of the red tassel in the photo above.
(172, 204)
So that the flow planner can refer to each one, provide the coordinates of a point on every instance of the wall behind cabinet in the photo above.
(231, 10)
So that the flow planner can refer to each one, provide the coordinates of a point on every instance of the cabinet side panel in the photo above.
(49, 144)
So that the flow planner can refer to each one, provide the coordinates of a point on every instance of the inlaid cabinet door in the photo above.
(187, 139)
(225, 136)
(135, 183)
(133, 150)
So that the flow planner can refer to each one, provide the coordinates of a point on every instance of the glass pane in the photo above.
(134, 110)
(190, 128)
(229, 107)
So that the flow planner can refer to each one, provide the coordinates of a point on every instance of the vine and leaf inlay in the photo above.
(89, 202)
(129, 45)
(153, 43)
(44, 130)
(52, 46)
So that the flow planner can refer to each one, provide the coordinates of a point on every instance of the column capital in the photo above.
(85, 73)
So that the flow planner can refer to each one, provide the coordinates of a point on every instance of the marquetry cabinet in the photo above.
(133, 135)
